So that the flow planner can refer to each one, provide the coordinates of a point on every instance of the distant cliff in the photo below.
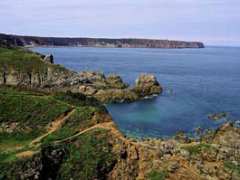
(16, 40)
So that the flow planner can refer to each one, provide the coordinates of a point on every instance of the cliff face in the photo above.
(21, 67)
(96, 42)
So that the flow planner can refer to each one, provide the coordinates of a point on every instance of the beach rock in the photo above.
(147, 85)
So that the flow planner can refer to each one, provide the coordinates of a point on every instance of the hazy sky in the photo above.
(210, 21)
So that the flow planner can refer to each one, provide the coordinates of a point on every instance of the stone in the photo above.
(87, 90)
(217, 116)
(173, 166)
(147, 85)
(116, 81)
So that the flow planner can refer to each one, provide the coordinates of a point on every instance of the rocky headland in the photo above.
(46, 76)
(34, 41)
(53, 125)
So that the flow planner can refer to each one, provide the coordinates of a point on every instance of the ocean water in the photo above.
(196, 82)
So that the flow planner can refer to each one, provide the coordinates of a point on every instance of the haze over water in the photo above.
(196, 82)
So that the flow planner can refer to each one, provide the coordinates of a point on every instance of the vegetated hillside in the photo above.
(97, 42)
(66, 135)
(71, 136)
(22, 67)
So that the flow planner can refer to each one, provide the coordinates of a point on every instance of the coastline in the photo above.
(98, 42)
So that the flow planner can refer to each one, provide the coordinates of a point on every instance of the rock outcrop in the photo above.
(147, 85)
(38, 71)
(111, 88)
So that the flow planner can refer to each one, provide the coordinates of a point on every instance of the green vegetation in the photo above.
(29, 110)
(78, 99)
(21, 60)
(19, 65)
(82, 118)
(25, 116)
(90, 157)
(232, 167)
(196, 149)
(157, 175)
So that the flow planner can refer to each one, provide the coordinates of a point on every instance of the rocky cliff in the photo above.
(46, 134)
(96, 42)
(72, 136)
(21, 67)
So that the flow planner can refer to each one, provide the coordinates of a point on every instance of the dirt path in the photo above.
(106, 125)
(55, 125)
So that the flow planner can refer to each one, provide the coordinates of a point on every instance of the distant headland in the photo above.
(34, 41)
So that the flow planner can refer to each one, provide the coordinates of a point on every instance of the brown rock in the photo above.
(147, 85)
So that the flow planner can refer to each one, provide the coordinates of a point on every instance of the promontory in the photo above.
(34, 41)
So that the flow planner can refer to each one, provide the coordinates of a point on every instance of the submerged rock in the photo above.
(217, 116)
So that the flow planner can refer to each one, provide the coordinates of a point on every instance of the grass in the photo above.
(197, 149)
(21, 60)
(29, 113)
(79, 99)
(157, 175)
(90, 157)
(30, 110)
(81, 119)
(232, 167)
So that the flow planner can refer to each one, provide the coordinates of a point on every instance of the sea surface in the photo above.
(196, 82)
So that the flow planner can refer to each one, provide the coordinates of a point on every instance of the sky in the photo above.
(214, 22)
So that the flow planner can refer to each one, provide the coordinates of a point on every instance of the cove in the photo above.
(196, 82)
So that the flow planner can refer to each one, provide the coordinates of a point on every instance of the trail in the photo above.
(108, 126)
(55, 125)
(105, 125)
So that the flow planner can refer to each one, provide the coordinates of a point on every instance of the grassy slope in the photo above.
(33, 111)
(26, 62)
(21, 60)
(30, 112)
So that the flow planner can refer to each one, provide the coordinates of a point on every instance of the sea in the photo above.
(196, 83)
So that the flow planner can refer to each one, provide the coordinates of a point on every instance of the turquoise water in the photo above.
(196, 82)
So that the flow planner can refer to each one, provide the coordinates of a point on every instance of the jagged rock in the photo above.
(87, 90)
(49, 59)
(116, 95)
(147, 85)
(93, 76)
(116, 81)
